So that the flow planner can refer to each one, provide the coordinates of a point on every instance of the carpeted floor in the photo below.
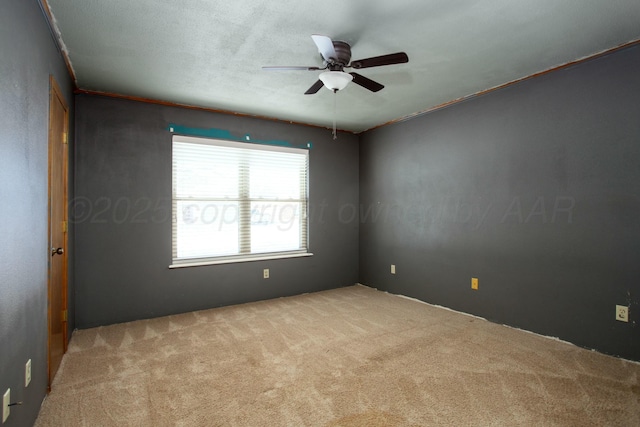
(347, 357)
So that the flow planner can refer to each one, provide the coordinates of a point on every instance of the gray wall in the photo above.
(29, 55)
(534, 189)
(123, 224)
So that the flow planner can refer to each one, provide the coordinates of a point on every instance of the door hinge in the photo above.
(65, 226)
(64, 315)
(65, 138)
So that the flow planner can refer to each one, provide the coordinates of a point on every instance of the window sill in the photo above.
(197, 263)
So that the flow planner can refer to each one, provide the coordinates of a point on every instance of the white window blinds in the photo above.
(237, 201)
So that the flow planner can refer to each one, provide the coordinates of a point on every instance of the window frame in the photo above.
(244, 201)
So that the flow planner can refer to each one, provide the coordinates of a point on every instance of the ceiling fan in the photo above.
(336, 56)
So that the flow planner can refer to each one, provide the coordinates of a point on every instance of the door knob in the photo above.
(57, 251)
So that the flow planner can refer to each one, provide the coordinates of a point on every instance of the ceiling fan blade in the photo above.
(315, 88)
(377, 61)
(366, 82)
(325, 47)
(290, 68)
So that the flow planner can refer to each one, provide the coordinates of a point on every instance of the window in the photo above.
(237, 201)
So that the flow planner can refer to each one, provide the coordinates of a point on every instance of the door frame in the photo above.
(55, 95)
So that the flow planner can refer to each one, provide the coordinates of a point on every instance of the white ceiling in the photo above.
(209, 53)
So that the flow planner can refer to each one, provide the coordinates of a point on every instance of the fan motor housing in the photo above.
(343, 53)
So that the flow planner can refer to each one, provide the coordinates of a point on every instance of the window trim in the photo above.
(197, 262)
(239, 257)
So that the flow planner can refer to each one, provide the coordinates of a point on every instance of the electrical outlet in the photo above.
(622, 313)
(393, 269)
(265, 273)
(27, 373)
(474, 283)
(6, 409)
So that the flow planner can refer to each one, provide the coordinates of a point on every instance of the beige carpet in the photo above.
(348, 357)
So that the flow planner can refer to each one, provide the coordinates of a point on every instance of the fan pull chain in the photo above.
(335, 112)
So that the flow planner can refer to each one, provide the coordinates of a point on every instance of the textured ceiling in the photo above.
(209, 53)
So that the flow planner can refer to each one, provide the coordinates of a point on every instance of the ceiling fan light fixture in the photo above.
(335, 80)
